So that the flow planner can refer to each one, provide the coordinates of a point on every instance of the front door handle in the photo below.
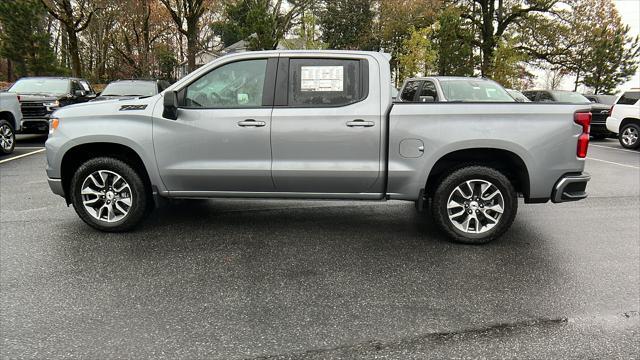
(251, 123)
(360, 123)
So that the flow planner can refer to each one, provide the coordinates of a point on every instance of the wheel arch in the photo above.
(629, 120)
(78, 154)
(507, 162)
(7, 115)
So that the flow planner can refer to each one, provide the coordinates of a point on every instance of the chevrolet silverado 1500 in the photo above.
(315, 125)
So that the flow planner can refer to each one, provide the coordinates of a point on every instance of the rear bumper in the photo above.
(599, 129)
(56, 186)
(570, 188)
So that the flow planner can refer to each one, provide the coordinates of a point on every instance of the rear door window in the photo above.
(629, 98)
(325, 82)
(409, 91)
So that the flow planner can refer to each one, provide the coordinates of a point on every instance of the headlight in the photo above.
(53, 125)
(52, 104)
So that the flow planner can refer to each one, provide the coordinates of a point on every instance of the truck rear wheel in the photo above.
(474, 205)
(108, 194)
(629, 136)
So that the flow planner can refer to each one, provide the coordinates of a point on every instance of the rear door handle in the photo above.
(360, 123)
(251, 123)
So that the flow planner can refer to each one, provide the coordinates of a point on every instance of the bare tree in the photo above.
(74, 18)
(186, 14)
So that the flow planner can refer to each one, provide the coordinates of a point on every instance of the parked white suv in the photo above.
(625, 119)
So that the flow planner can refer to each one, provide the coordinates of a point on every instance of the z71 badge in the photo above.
(132, 107)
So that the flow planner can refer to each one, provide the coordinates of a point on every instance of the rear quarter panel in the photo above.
(544, 136)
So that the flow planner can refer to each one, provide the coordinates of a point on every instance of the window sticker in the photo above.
(322, 78)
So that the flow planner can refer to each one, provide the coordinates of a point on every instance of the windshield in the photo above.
(474, 90)
(130, 88)
(41, 86)
(570, 97)
(518, 95)
(605, 99)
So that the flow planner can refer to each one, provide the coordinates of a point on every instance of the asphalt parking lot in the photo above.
(321, 280)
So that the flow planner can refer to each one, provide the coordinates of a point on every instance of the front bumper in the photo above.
(56, 186)
(570, 188)
(35, 125)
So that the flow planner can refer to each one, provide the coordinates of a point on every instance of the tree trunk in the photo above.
(74, 52)
(192, 47)
(9, 71)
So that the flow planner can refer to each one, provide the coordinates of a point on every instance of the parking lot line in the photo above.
(612, 148)
(615, 163)
(21, 156)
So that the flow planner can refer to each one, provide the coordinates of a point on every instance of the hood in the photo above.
(40, 97)
(114, 107)
(120, 97)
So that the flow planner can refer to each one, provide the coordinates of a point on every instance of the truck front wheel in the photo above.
(474, 205)
(7, 137)
(108, 194)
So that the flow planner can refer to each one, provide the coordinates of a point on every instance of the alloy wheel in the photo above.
(630, 136)
(6, 137)
(475, 206)
(106, 196)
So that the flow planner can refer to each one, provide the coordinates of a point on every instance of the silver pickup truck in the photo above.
(315, 125)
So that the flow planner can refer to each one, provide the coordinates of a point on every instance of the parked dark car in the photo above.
(127, 89)
(601, 99)
(599, 112)
(41, 96)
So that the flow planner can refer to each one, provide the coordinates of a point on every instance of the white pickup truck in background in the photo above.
(10, 118)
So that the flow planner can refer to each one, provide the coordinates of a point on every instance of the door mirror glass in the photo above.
(80, 93)
(170, 110)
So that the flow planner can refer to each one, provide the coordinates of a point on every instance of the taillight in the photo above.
(583, 119)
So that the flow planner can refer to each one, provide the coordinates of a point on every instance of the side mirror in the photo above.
(79, 93)
(427, 99)
(170, 110)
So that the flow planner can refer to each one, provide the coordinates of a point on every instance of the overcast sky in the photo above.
(630, 12)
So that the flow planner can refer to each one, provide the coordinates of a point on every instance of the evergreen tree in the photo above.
(454, 43)
(24, 38)
(348, 24)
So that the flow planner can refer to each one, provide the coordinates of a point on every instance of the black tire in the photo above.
(630, 127)
(139, 194)
(7, 137)
(445, 188)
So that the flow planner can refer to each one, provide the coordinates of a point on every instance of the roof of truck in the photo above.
(438, 77)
